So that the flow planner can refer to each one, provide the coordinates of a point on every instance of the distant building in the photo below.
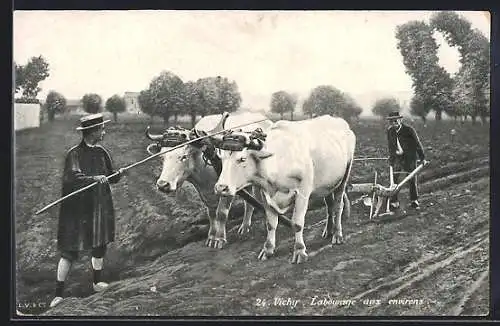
(132, 102)
(74, 106)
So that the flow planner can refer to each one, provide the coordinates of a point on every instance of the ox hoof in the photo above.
(299, 257)
(264, 255)
(337, 239)
(215, 243)
(244, 228)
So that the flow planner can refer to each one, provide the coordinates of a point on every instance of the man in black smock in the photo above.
(404, 149)
(87, 219)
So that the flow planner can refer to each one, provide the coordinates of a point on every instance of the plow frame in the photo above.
(380, 194)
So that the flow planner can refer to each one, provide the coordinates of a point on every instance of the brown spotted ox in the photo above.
(189, 163)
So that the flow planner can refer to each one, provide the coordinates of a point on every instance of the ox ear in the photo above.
(261, 155)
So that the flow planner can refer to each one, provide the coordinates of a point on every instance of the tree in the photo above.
(327, 99)
(208, 95)
(228, 95)
(430, 82)
(462, 94)
(146, 102)
(473, 78)
(218, 94)
(29, 76)
(419, 108)
(350, 108)
(18, 77)
(55, 103)
(202, 101)
(92, 103)
(455, 30)
(192, 100)
(308, 108)
(115, 104)
(282, 102)
(295, 100)
(167, 91)
(477, 67)
(384, 106)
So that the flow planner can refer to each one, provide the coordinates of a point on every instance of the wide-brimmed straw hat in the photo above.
(91, 121)
(394, 116)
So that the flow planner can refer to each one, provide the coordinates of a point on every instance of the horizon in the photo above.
(259, 50)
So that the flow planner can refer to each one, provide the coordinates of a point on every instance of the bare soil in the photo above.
(434, 261)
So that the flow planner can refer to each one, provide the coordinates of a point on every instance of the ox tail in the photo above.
(346, 211)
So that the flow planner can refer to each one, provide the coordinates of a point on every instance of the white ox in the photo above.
(187, 164)
(298, 160)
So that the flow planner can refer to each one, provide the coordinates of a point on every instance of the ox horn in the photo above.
(198, 133)
(220, 126)
(153, 137)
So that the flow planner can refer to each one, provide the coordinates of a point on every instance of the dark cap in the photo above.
(394, 116)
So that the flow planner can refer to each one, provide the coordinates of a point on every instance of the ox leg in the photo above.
(328, 230)
(217, 232)
(298, 217)
(270, 244)
(247, 217)
(211, 218)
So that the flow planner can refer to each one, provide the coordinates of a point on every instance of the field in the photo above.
(429, 262)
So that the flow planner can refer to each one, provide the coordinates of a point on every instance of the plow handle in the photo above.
(391, 180)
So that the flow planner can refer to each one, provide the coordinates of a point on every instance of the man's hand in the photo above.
(424, 162)
(102, 179)
(122, 171)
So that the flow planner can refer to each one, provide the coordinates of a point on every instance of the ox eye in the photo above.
(183, 158)
(242, 159)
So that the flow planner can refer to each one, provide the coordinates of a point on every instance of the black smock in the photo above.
(87, 219)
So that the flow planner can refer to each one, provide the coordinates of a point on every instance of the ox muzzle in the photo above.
(166, 187)
(223, 189)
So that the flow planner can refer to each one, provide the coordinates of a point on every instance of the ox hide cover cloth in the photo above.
(87, 219)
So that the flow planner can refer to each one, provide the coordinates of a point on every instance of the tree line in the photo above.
(465, 94)
(168, 96)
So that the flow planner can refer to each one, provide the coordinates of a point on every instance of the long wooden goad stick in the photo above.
(370, 158)
(143, 161)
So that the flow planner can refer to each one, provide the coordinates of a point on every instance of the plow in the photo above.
(377, 196)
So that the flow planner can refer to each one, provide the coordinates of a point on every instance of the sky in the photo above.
(110, 52)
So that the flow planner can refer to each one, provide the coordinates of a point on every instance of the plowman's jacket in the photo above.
(409, 141)
(87, 219)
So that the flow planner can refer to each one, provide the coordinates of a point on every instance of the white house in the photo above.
(132, 102)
